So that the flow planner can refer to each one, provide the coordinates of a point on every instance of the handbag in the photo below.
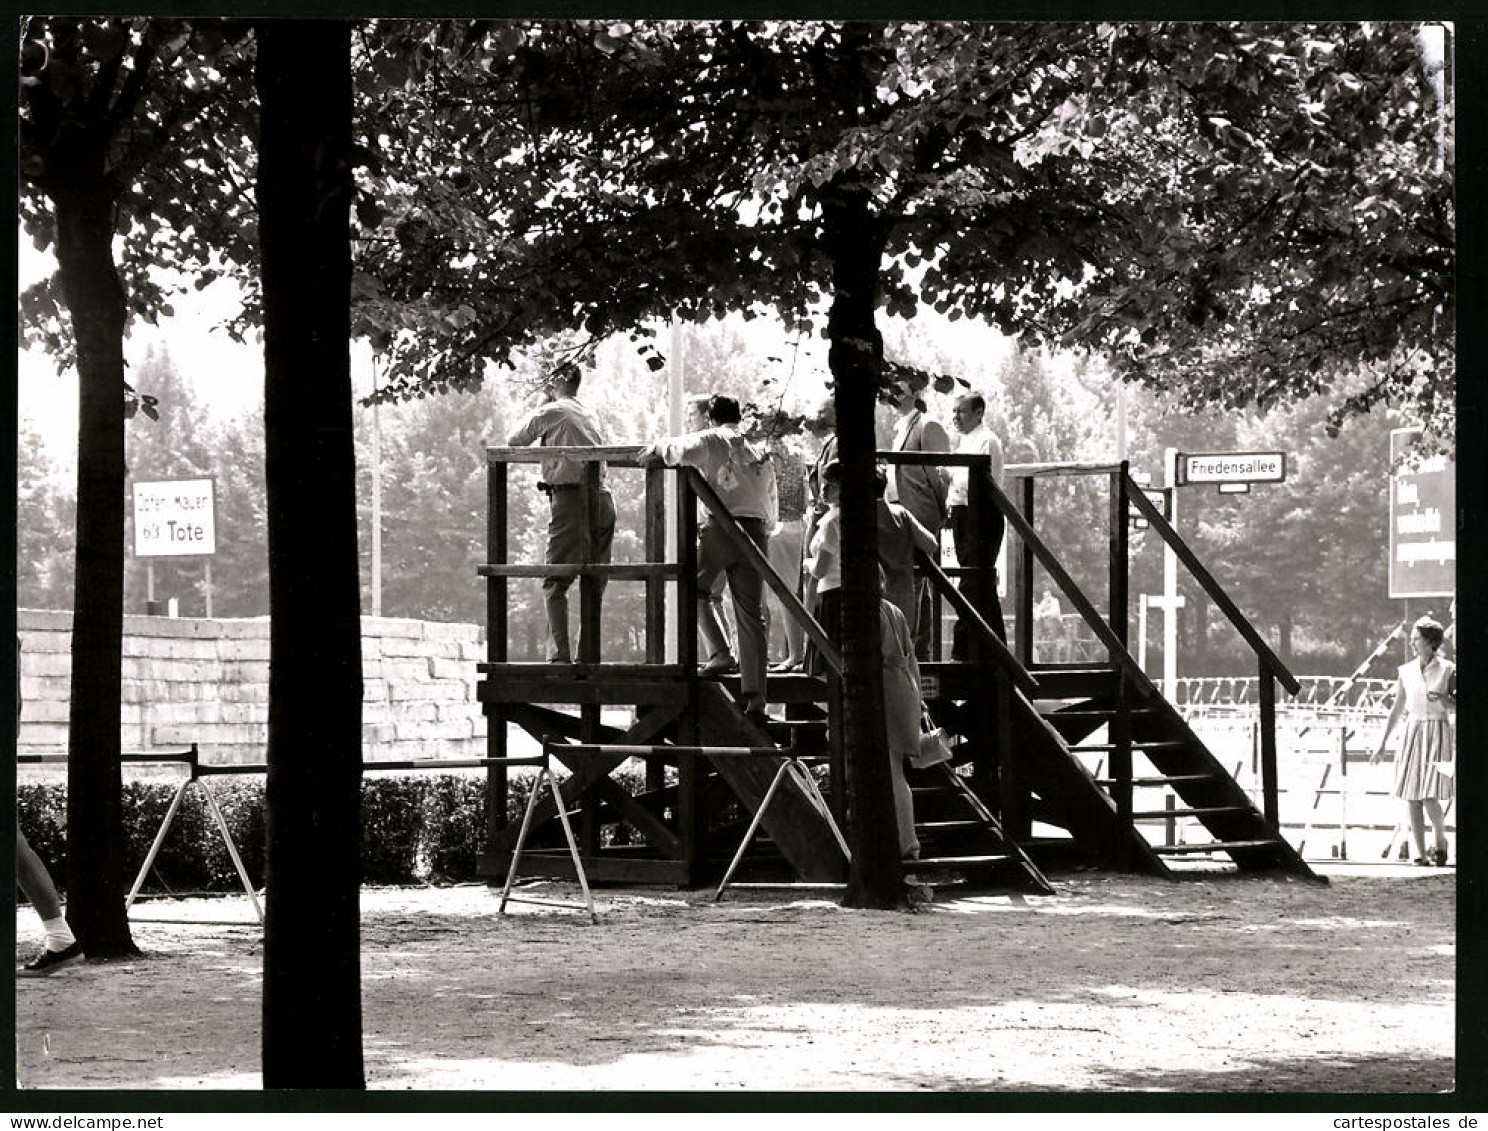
(935, 743)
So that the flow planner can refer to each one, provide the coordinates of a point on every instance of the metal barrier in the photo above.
(1321, 692)
(197, 771)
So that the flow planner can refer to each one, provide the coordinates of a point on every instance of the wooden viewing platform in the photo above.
(1047, 757)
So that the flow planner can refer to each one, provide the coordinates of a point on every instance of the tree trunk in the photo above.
(95, 831)
(312, 1017)
(854, 242)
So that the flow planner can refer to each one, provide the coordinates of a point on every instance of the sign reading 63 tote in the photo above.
(174, 518)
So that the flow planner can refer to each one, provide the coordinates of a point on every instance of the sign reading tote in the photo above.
(174, 518)
(1232, 467)
(1423, 528)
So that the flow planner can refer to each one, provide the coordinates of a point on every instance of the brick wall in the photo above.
(207, 681)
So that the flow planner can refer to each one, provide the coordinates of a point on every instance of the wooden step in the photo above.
(1154, 744)
(1213, 846)
(947, 826)
(956, 862)
(1171, 779)
(1200, 812)
(1080, 714)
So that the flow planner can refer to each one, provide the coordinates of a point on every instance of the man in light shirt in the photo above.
(744, 479)
(981, 590)
(921, 490)
(581, 523)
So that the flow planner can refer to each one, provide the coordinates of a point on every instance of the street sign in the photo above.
(1234, 488)
(174, 518)
(1231, 467)
(1159, 499)
(1423, 526)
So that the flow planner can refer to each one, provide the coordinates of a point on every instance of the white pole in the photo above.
(676, 386)
(1142, 631)
(376, 500)
(1170, 581)
(1120, 421)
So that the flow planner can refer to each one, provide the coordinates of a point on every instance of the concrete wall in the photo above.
(207, 681)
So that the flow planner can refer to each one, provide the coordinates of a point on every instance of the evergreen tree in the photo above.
(45, 514)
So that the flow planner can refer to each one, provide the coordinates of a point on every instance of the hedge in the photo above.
(415, 828)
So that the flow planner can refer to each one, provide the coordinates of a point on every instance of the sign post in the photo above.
(175, 518)
(1232, 473)
(1171, 465)
(1228, 470)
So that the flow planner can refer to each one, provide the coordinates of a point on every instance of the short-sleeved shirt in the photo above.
(562, 423)
(980, 441)
(828, 536)
(739, 470)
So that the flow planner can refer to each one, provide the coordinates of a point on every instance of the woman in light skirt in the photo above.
(1427, 687)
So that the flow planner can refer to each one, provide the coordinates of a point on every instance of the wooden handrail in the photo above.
(1017, 470)
(969, 613)
(621, 455)
(1216, 594)
(1027, 470)
(1071, 590)
(792, 604)
(624, 571)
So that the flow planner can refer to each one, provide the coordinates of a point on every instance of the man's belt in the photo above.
(549, 488)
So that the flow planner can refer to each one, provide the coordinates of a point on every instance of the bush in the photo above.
(454, 827)
(392, 822)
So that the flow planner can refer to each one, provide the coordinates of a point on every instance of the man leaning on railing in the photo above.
(744, 479)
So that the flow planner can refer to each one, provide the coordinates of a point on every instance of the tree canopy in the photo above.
(1241, 214)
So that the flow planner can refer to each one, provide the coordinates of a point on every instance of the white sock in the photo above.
(58, 933)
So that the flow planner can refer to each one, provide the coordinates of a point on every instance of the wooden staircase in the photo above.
(1172, 776)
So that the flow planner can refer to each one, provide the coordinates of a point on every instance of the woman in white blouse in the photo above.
(1426, 688)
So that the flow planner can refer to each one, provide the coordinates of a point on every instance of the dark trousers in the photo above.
(981, 588)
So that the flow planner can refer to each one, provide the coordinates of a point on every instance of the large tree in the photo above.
(116, 117)
(1163, 193)
(312, 985)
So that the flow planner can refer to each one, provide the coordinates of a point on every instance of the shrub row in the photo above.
(415, 827)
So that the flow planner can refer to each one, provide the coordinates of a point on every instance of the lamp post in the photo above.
(376, 498)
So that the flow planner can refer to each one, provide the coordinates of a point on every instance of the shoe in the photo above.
(721, 665)
(560, 659)
(50, 960)
(786, 666)
(1439, 857)
(1422, 861)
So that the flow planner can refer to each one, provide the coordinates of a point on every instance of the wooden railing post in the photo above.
(496, 650)
(655, 541)
(1023, 580)
(591, 587)
(1120, 733)
(689, 779)
(1267, 689)
(1120, 559)
(1011, 790)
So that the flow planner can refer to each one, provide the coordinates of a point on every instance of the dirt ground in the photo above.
(1115, 983)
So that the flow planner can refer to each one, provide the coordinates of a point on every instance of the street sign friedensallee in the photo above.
(174, 518)
(1231, 467)
(1423, 526)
